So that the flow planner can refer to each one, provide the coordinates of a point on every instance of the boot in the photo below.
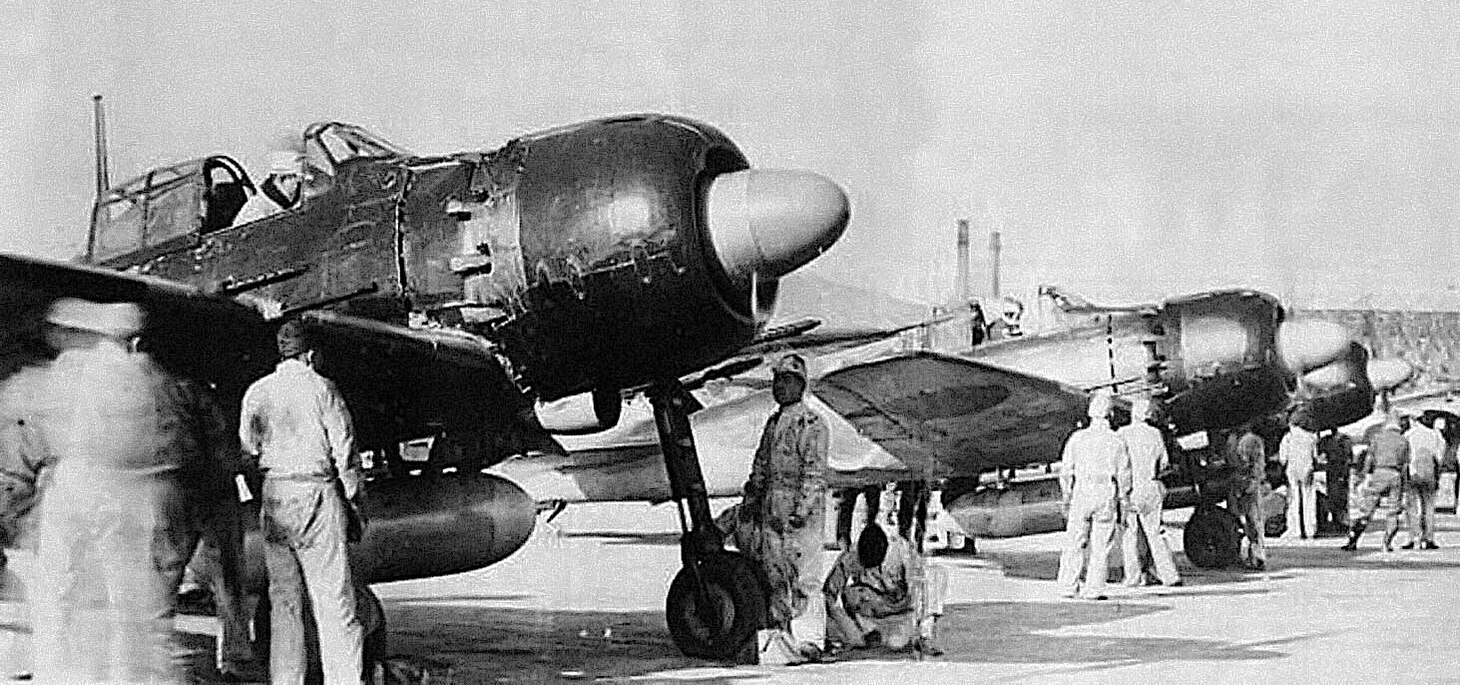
(1353, 536)
(1389, 539)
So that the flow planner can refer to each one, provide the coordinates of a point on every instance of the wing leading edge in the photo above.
(951, 417)
(399, 382)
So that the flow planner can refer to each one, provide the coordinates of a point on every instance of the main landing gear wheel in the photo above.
(717, 616)
(1213, 537)
(718, 599)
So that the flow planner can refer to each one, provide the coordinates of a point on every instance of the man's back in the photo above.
(295, 421)
(1388, 449)
(1146, 447)
(1094, 456)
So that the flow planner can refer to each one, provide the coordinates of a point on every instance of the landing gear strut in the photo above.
(718, 599)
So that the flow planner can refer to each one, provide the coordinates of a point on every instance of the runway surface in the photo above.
(583, 601)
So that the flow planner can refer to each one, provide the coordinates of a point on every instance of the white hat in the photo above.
(117, 319)
(1099, 404)
(284, 162)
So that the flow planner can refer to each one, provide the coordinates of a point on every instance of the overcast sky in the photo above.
(1126, 150)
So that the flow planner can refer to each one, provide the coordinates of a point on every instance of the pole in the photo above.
(995, 246)
(960, 289)
(103, 181)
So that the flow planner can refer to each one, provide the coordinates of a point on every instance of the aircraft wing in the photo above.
(948, 416)
(215, 339)
(398, 382)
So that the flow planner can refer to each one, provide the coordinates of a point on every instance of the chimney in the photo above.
(995, 244)
(960, 287)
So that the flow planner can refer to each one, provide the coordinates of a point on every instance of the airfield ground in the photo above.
(583, 601)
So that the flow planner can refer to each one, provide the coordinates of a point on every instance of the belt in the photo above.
(301, 477)
(1386, 466)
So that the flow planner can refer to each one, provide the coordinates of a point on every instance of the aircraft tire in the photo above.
(1213, 537)
(725, 631)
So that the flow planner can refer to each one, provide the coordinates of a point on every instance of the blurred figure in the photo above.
(1095, 481)
(1387, 466)
(1146, 449)
(1298, 452)
(782, 513)
(25, 468)
(101, 610)
(1247, 453)
(882, 591)
(1426, 447)
(295, 421)
(1338, 451)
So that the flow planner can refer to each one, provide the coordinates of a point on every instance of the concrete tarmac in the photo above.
(583, 601)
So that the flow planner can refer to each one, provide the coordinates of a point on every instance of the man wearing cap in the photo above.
(1247, 453)
(280, 191)
(296, 423)
(1146, 449)
(1383, 489)
(1426, 446)
(1298, 451)
(1095, 479)
(121, 452)
(784, 508)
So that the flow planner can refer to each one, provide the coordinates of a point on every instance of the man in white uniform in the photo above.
(1094, 479)
(1146, 449)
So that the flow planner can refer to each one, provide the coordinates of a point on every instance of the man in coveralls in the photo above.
(1146, 448)
(784, 508)
(296, 422)
(1094, 480)
(1383, 489)
(1247, 453)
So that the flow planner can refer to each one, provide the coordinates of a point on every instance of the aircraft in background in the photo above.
(449, 294)
(1212, 361)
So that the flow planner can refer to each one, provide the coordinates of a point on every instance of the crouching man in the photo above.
(879, 591)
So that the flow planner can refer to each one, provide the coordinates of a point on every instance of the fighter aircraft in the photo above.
(451, 293)
(1212, 360)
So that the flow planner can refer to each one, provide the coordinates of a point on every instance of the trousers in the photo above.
(1088, 534)
(1248, 507)
(1144, 523)
(305, 550)
(1421, 511)
(100, 611)
(1302, 505)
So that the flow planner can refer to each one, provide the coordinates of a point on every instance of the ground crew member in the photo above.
(113, 503)
(1298, 451)
(1248, 454)
(296, 423)
(1426, 446)
(846, 507)
(1095, 481)
(25, 466)
(1337, 451)
(873, 595)
(1383, 489)
(784, 507)
(1146, 450)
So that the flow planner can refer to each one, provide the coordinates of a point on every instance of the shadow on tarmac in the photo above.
(1018, 632)
(492, 644)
